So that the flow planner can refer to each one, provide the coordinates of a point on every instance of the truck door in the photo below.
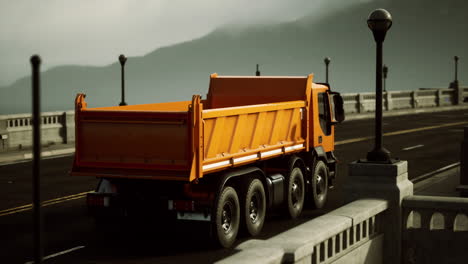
(325, 138)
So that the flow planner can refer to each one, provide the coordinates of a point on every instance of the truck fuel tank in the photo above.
(275, 183)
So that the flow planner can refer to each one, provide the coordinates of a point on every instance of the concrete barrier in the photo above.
(59, 127)
(350, 234)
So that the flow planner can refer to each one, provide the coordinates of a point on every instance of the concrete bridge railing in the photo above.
(436, 229)
(358, 103)
(59, 127)
(353, 233)
(16, 130)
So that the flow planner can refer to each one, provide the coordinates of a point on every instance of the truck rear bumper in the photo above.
(193, 216)
(111, 206)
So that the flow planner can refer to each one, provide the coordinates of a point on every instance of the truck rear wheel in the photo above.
(254, 207)
(227, 217)
(319, 184)
(295, 193)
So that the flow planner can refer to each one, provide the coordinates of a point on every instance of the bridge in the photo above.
(424, 128)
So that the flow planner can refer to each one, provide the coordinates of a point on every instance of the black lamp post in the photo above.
(379, 21)
(385, 72)
(257, 73)
(122, 60)
(37, 214)
(327, 62)
(456, 69)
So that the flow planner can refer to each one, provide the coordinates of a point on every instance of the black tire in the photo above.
(254, 207)
(295, 193)
(319, 184)
(227, 217)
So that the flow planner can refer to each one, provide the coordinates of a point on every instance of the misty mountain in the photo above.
(418, 50)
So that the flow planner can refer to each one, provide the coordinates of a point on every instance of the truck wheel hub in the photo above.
(226, 218)
(320, 185)
(294, 193)
(253, 209)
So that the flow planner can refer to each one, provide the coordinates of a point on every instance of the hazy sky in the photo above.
(95, 32)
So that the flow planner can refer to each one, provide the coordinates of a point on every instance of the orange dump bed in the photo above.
(244, 119)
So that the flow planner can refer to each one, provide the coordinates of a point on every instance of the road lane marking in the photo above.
(342, 142)
(44, 203)
(413, 147)
(65, 200)
(48, 201)
(353, 140)
(16, 211)
(424, 128)
(401, 132)
(58, 254)
(68, 196)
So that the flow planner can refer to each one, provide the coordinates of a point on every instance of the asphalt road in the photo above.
(67, 225)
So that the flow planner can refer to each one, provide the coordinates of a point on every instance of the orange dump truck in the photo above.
(255, 143)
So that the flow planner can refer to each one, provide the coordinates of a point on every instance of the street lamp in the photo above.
(122, 60)
(456, 70)
(36, 123)
(385, 72)
(327, 62)
(257, 73)
(379, 21)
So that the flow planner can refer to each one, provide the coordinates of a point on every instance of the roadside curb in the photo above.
(434, 173)
(428, 180)
(22, 157)
(49, 153)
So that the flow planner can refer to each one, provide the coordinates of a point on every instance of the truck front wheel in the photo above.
(295, 193)
(319, 184)
(227, 217)
(254, 207)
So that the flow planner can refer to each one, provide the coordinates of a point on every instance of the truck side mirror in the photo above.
(337, 109)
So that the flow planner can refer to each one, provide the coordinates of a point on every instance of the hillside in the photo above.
(418, 50)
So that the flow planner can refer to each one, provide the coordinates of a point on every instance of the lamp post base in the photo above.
(379, 155)
(122, 104)
(382, 181)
